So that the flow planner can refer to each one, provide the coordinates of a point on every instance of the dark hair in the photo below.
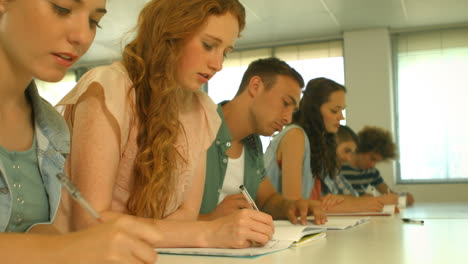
(323, 159)
(267, 69)
(345, 134)
(377, 140)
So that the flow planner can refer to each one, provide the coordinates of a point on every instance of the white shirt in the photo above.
(234, 177)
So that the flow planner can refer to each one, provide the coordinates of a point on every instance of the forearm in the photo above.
(175, 232)
(28, 248)
(275, 206)
(353, 205)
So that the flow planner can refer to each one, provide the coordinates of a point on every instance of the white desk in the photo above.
(384, 240)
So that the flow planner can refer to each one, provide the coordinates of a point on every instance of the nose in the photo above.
(216, 62)
(287, 116)
(81, 35)
(341, 116)
(347, 157)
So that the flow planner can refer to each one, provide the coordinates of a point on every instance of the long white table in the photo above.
(385, 239)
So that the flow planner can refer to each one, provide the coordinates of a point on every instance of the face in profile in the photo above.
(203, 53)
(58, 33)
(273, 108)
(332, 111)
(345, 151)
(368, 160)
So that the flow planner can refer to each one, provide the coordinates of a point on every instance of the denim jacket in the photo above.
(53, 146)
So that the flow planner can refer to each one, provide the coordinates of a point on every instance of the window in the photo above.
(314, 60)
(53, 92)
(432, 87)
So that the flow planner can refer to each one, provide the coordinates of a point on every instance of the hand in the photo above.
(370, 204)
(409, 199)
(302, 208)
(241, 229)
(124, 240)
(390, 198)
(330, 200)
(229, 205)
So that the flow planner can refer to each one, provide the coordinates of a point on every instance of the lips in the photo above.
(65, 59)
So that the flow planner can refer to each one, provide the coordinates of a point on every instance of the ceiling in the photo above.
(276, 22)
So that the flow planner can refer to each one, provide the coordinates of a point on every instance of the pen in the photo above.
(413, 221)
(75, 193)
(248, 197)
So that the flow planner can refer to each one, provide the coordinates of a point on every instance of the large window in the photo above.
(432, 88)
(314, 60)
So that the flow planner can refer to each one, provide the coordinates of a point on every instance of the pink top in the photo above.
(200, 126)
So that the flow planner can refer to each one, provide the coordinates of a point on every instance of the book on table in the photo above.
(284, 237)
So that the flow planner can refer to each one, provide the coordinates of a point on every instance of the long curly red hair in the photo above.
(151, 62)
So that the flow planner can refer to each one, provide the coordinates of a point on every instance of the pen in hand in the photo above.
(75, 193)
(248, 197)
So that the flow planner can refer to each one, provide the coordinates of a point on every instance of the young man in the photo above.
(268, 95)
(375, 145)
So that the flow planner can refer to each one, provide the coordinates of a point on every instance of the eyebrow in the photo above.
(218, 40)
(99, 10)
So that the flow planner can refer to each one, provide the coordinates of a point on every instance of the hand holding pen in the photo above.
(75, 193)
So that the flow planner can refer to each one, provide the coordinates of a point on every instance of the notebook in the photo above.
(339, 223)
(308, 239)
(285, 235)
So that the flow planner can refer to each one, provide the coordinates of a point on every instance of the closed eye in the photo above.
(94, 23)
(207, 46)
(61, 11)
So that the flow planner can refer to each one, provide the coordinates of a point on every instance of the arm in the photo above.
(112, 242)
(271, 202)
(384, 189)
(229, 205)
(94, 167)
(352, 204)
(191, 206)
(291, 153)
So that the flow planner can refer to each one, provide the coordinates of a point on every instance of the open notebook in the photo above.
(339, 223)
(285, 235)
(334, 223)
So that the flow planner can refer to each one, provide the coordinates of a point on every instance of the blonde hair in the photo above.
(151, 62)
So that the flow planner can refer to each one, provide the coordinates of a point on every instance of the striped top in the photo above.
(361, 178)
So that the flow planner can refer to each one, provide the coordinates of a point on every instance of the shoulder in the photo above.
(113, 79)
(209, 115)
(293, 135)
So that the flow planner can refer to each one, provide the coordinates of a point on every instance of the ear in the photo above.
(254, 86)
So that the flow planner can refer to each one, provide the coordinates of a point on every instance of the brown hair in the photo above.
(267, 69)
(377, 140)
(345, 134)
(323, 159)
(151, 62)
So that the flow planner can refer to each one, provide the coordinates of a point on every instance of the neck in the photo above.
(236, 114)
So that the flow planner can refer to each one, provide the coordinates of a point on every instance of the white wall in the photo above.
(368, 78)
